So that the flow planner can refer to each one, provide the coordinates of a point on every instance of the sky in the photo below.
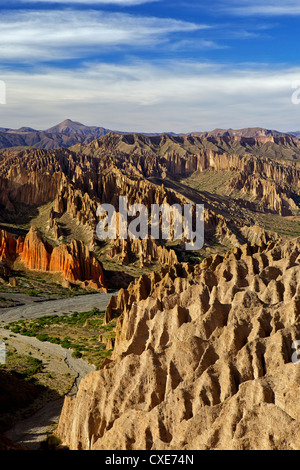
(151, 66)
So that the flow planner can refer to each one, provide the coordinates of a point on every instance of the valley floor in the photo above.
(30, 308)
(33, 426)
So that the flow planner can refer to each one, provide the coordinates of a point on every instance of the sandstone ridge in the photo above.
(74, 261)
(203, 359)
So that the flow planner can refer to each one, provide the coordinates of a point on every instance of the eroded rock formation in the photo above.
(255, 158)
(77, 263)
(203, 359)
(146, 251)
(34, 251)
(74, 261)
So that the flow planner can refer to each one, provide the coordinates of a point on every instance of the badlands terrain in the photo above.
(197, 348)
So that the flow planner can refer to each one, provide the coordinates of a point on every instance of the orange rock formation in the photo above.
(74, 261)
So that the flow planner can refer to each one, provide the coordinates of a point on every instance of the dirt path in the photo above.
(33, 308)
(32, 431)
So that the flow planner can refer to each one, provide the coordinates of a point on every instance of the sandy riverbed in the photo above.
(32, 431)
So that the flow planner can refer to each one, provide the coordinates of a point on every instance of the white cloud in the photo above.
(264, 7)
(177, 96)
(65, 34)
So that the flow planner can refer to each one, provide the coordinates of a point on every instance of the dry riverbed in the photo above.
(59, 372)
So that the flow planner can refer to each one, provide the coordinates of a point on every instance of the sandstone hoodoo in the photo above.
(34, 251)
(204, 359)
(74, 261)
(146, 251)
(75, 181)
(77, 263)
(8, 246)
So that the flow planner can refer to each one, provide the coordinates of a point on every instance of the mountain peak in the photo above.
(67, 126)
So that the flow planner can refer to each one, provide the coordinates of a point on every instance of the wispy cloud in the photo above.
(263, 7)
(58, 34)
(145, 84)
(186, 96)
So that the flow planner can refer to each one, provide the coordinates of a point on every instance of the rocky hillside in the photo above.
(59, 191)
(68, 133)
(266, 168)
(203, 350)
(203, 360)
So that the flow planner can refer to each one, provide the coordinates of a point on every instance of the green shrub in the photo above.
(42, 337)
(36, 364)
(77, 354)
(66, 344)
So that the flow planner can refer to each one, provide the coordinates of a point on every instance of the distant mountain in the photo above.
(21, 130)
(248, 132)
(69, 133)
(65, 134)
(69, 127)
(295, 134)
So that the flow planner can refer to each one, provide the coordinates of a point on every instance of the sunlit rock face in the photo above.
(74, 261)
(203, 359)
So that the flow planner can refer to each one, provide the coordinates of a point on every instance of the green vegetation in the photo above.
(285, 227)
(36, 365)
(84, 333)
(24, 366)
(215, 182)
(43, 285)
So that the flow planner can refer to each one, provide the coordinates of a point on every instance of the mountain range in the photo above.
(65, 134)
(69, 133)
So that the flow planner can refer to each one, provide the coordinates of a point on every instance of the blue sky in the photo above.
(155, 66)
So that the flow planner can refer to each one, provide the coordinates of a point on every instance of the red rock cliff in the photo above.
(74, 261)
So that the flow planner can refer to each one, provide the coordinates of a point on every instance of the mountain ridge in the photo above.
(69, 133)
